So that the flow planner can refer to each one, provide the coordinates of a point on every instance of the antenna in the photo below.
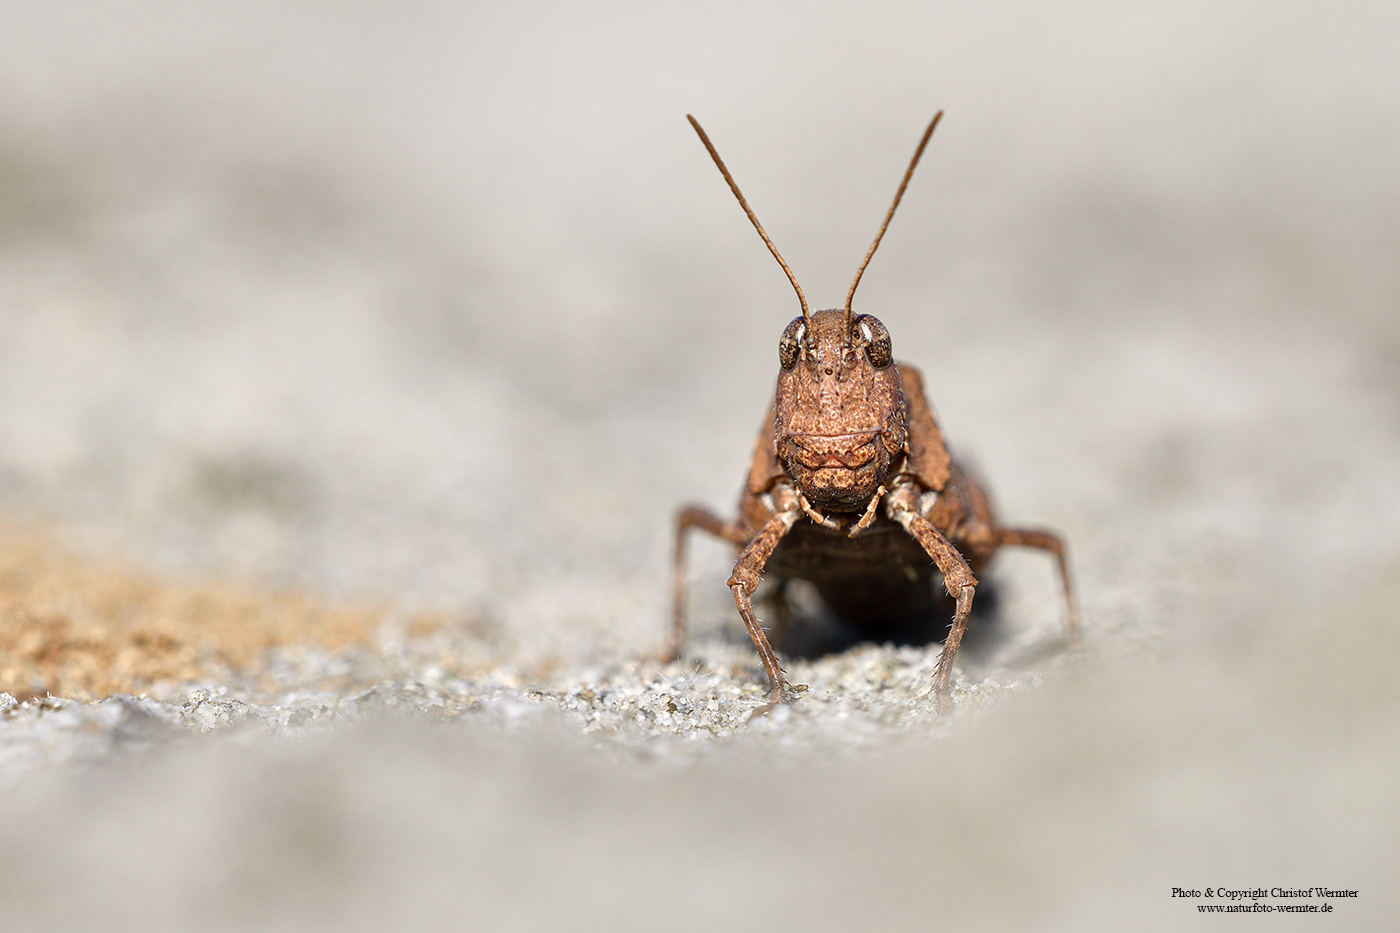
(909, 173)
(806, 314)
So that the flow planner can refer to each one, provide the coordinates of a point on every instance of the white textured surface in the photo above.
(446, 306)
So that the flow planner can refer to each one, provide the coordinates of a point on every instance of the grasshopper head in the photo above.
(839, 423)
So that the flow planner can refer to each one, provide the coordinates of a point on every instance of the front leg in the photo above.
(748, 570)
(903, 506)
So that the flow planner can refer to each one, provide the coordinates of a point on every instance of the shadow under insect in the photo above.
(804, 622)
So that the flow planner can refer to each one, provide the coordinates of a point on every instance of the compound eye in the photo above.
(790, 347)
(872, 333)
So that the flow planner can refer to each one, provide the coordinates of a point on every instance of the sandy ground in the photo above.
(355, 359)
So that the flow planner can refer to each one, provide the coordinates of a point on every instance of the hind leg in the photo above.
(983, 536)
(686, 519)
(1053, 543)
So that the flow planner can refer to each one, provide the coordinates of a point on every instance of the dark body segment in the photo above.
(880, 582)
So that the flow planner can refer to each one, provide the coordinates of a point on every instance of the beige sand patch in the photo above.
(78, 628)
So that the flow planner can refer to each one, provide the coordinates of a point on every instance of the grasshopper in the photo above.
(852, 487)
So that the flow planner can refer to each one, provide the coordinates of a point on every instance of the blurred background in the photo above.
(444, 305)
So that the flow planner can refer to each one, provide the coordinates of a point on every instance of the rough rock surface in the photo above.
(354, 362)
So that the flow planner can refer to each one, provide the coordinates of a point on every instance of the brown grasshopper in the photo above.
(852, 487)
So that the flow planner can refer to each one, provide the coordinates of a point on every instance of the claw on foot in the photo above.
(788, 694)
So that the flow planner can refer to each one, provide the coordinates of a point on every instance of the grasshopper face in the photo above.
(840, 420)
